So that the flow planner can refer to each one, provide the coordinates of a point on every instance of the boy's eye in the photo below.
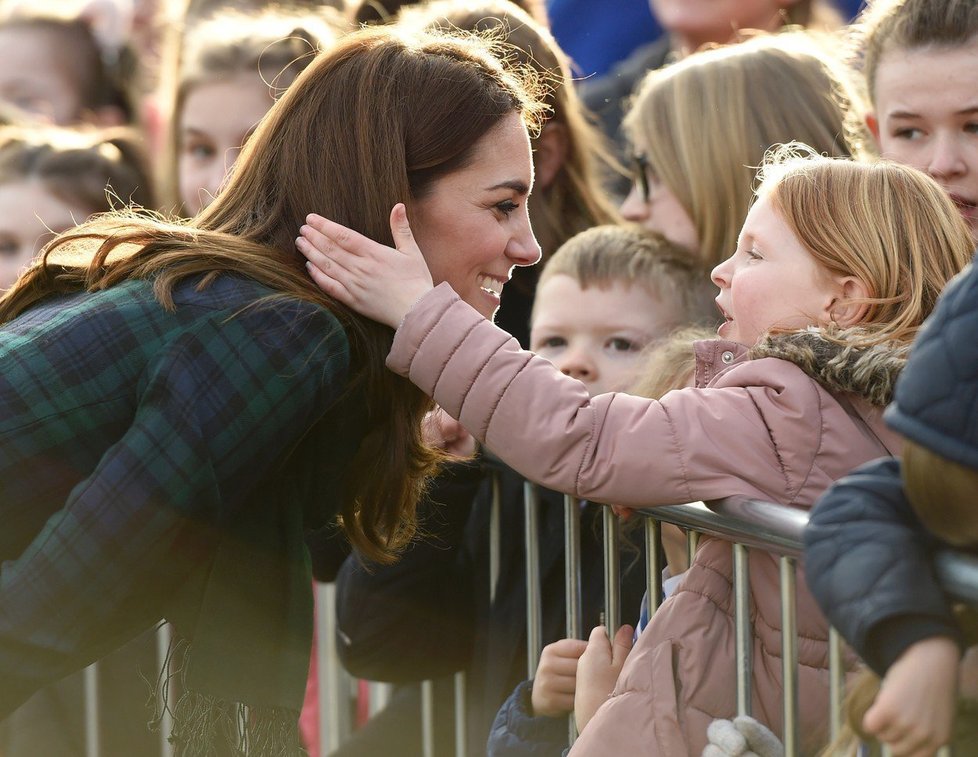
(620, 344)
(551, 342)
(754, 254)
(8, 247)
(908, 133)
(971, 128)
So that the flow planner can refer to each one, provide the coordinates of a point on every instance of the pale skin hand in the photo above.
(914, 710)
(442, 431)
(377, 281)
(598, 670)
(556, 676)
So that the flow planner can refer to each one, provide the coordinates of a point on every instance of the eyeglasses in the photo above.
(641, 170)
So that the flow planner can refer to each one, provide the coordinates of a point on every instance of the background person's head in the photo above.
(52, 179)
(54, 70)
(700, 127)
(607, 295)
(232, 67)
(920, 61)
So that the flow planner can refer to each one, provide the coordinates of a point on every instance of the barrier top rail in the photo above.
(777, 528)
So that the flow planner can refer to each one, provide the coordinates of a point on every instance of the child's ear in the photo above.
(849, 308)
(873, 124)
(549, 154)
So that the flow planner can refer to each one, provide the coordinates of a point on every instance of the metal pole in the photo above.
(494, 537)
(612, 573)
(332, 682)
(572, 583)
(93, 746)
(531, 501)
(789, 654)
(744, 633)
(460, 733)
(164, 636)
(428, 719)
(837, 683)
(379, 694)
(653, 564)
(692, 543)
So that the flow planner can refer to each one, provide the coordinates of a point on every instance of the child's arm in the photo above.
(914, 709)
(598, 671)
(868, 563)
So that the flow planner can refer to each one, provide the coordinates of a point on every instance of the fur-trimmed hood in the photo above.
(835, 360)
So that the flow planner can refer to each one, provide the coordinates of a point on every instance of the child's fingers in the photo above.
(573, 648)
(622, 645)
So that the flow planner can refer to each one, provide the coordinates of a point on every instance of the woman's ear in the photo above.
(549, 153)
(849, 308)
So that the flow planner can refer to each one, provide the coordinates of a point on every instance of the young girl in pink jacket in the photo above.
(837, 265)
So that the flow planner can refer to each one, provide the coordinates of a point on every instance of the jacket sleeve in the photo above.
(414, 619)
(516, 732)
(617, 448)
(868, 562)
(217, 409)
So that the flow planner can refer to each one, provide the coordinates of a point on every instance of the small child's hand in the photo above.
(553, 685)
(914, 710)
(442, 431)
(598, 670)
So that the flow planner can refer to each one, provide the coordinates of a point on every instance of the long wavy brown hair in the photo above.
(376, 120)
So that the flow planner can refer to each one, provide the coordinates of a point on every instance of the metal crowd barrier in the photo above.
(745, 523)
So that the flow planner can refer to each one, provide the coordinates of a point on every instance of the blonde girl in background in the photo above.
(920, 62)
(821, 298)
(232, 67)
(52, 179)
(699, 128)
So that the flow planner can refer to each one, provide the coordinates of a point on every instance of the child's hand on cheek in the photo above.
(598, 671)
(554, 682)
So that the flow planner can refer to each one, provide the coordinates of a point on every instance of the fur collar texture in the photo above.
(836, 361)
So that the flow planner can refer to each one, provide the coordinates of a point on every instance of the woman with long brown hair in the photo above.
(179, 403)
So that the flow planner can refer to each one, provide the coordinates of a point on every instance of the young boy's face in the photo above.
(597, 334)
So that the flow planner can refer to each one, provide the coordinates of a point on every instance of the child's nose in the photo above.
(576, 363)
(635, 208)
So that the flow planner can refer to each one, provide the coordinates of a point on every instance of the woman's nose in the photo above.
(523, 248)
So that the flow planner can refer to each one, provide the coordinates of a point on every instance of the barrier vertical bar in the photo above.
(494, 536)
(744, 636)
(164, 635)
(837, 682)
(531, 502)
(460, 724)
(789, 657)
(379, 694)
(612, 572)
(692, 543)
(653, 564)
(428, 719)
(572, 583)
(93, 745)
(334, 695)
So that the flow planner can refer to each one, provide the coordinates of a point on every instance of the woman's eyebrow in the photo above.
(520, 187)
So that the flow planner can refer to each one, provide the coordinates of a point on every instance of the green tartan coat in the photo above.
(160, 464)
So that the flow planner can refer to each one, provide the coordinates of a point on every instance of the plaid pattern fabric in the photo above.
(128, 437)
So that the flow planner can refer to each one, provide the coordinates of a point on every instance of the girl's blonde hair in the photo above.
(273, 45)
(889, 225)
(705, 123)
(629, 254)
(908, 25)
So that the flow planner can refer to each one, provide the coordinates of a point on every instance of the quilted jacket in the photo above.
(868, 555)
(764, 428)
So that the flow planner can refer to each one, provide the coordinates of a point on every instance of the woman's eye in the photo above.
(506, 207)
(199, 151)
(972, 128)
(8, 247)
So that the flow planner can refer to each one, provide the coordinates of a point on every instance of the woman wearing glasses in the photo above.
(699, 128)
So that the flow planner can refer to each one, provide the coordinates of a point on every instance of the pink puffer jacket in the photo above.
(762, 428)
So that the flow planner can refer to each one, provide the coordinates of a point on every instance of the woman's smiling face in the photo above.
(472, 224)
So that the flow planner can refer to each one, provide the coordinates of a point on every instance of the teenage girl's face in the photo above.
(473, 224)
(30, 216)
(771, 281)
(33, 80)
(216, 119)
(651, 204)
(927, 116)
(695, 22)
(596, 334)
